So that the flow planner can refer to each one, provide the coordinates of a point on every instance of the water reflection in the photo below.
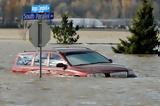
(143, 65)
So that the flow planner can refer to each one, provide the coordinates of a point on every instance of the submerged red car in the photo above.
(69, 61)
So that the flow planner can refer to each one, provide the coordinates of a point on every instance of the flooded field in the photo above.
(27, 90)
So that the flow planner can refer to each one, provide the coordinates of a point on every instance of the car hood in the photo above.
(101, 68)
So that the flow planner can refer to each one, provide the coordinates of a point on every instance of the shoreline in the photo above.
(86, 36)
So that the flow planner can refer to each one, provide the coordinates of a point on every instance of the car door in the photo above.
(54, 59)
(44, 61)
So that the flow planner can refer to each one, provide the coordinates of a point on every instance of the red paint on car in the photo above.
(79, 62)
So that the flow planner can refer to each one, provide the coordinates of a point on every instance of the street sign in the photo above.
(44, 8)
(39, 33)
(34, 35)
(38, 16)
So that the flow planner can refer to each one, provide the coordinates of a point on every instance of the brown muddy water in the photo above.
(27, 90)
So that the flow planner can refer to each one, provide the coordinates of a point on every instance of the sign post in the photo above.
(40, 45)
(39, 33)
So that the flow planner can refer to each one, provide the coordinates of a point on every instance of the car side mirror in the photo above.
(61, 65)
(110, 60)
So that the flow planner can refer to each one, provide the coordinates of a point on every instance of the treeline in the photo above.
(11, 11)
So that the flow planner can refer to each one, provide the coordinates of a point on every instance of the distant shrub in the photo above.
(65, 33)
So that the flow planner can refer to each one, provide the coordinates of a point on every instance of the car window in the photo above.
(25, 59)
(54, 59)
(82, 58)
(44, 59)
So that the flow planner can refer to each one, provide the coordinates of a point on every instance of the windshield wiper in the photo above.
(81, 64)
(90, 63)
(99, 62)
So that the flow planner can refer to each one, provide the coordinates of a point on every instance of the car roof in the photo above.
(61, 49)
(71, 49)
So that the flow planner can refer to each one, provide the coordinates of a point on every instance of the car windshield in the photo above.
(85, 58)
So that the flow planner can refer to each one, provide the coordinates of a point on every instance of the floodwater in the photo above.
(27, 90)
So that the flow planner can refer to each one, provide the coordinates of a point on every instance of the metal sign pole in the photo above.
(40, 45)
